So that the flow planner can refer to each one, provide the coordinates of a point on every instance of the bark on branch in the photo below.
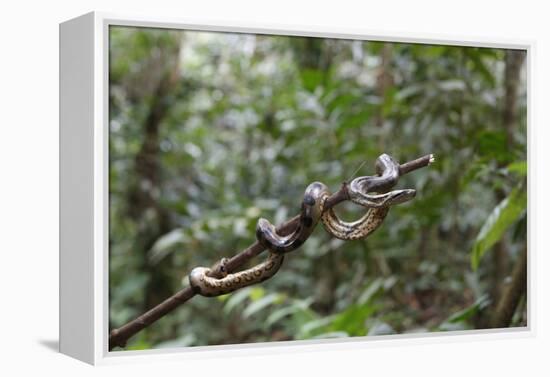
(119, 337)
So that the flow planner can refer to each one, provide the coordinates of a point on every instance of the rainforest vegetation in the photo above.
(210, 131)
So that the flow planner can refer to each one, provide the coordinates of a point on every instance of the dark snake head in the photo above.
(219, 269)
(400, 196)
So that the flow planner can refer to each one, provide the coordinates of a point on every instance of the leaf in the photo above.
(343, 100)
(375, 287)
(140, 343)
(452, 85)
(352, 320)
(307, 330)
(493, 144)
(409, 91)
(503, 216)
(311, 78)
(470, 311)
(260, 304)
(256, 293)
(389, 99)
(518, 167)
(166, 244)
(295, 307)
(281, 313)
(371, 290)
(477, 170)
(357, 119)
(236, 299)
(480, 66)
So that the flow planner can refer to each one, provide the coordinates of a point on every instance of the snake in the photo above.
(203, 281)
(216, 281)
(378, 205)
(360, 188)
(310, 214)
(369, 222)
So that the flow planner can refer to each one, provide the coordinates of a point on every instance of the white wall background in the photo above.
(29, 183)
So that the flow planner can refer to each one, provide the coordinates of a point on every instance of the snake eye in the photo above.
(309, 200)
(308, 221)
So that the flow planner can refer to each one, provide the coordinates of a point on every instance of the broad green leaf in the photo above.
(281, 313)
(352, 320)
(236, 299)
(375, 287)
(256, 293)
(166, 244)
(295, 307)
(468, 312)
(503, 216)
(223, 298)
(477, 60)
(476, 170)
(493, 145)
(260, 304)
(308, 329)
(371, 290)
(451, 85)
(311, 78)
(389, 98)
(140, 343)
(518, 167)
(343, 100)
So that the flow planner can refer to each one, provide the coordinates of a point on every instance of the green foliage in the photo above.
(519, 168)
(261, 304)
(461, 320)
(210, 131)
(506, 213)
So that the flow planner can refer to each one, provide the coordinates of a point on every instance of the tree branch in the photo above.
(119, 337)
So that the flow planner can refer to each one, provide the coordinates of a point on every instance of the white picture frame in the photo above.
(84, 191)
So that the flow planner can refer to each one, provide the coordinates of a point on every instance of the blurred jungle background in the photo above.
(210, 131)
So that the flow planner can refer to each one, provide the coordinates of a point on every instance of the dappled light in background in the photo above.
(209, 131)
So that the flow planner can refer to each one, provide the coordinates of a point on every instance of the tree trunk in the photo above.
(513, 62)
(511, 294)
(384, 82)
(143, 196)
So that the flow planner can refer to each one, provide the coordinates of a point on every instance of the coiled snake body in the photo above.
(368, 223)
(378, 204)
(202, 281)
(209, 286)
(216, 281)
(310, 214)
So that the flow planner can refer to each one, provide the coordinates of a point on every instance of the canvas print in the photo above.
(268, 188)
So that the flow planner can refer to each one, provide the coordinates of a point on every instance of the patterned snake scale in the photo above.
(378, 204)
(368, 223)
(310, 214)
(209, 286)
(204, 281)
